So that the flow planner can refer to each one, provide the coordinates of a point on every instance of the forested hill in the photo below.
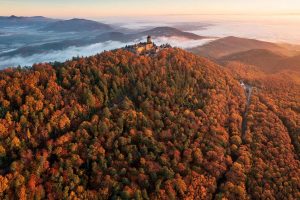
(122, 126)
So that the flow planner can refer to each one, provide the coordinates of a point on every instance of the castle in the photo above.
(146, 48)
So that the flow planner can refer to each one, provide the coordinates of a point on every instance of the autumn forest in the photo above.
(122, 126)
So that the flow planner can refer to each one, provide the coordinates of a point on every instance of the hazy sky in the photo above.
(100, 8)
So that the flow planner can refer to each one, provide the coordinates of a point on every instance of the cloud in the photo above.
(60, 55)
(282, 30)
(68, 53)
(182, 42)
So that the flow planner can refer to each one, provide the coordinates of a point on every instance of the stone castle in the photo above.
(146, 48)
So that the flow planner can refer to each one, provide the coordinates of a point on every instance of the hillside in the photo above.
(230, 45)
(264, 56)
(76, 25)
(121, 126)
(292, 63)
(264, 59)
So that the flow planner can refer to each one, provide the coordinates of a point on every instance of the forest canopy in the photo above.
(122, 126)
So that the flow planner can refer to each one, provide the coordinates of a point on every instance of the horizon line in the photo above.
(181, 14)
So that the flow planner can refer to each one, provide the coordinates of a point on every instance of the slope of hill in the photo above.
(291, 47)
(76, 25)
(122, 126)
(264, 59)
(292, 63)
(264, 56)
(230, 45)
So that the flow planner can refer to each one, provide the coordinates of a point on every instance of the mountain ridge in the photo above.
(35, 21)
(76, 24)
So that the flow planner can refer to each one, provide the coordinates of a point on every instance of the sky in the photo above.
(106, 8)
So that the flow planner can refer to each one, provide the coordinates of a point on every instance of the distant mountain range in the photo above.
(35, 21)
(102, 37)
(46, 35)
(77, 25)
(14, 18)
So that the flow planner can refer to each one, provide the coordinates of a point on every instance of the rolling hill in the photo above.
(230, 45)
(264, 56)
(292, 63)
(264, 59)
(267, 61)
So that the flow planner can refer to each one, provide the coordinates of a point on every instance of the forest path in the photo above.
(248, 90)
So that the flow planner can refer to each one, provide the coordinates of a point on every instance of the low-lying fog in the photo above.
(89, 50)
(10, 39)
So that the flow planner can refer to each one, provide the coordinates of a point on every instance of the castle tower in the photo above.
(149, 40)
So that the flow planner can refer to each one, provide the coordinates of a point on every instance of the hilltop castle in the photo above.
(146, 48)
